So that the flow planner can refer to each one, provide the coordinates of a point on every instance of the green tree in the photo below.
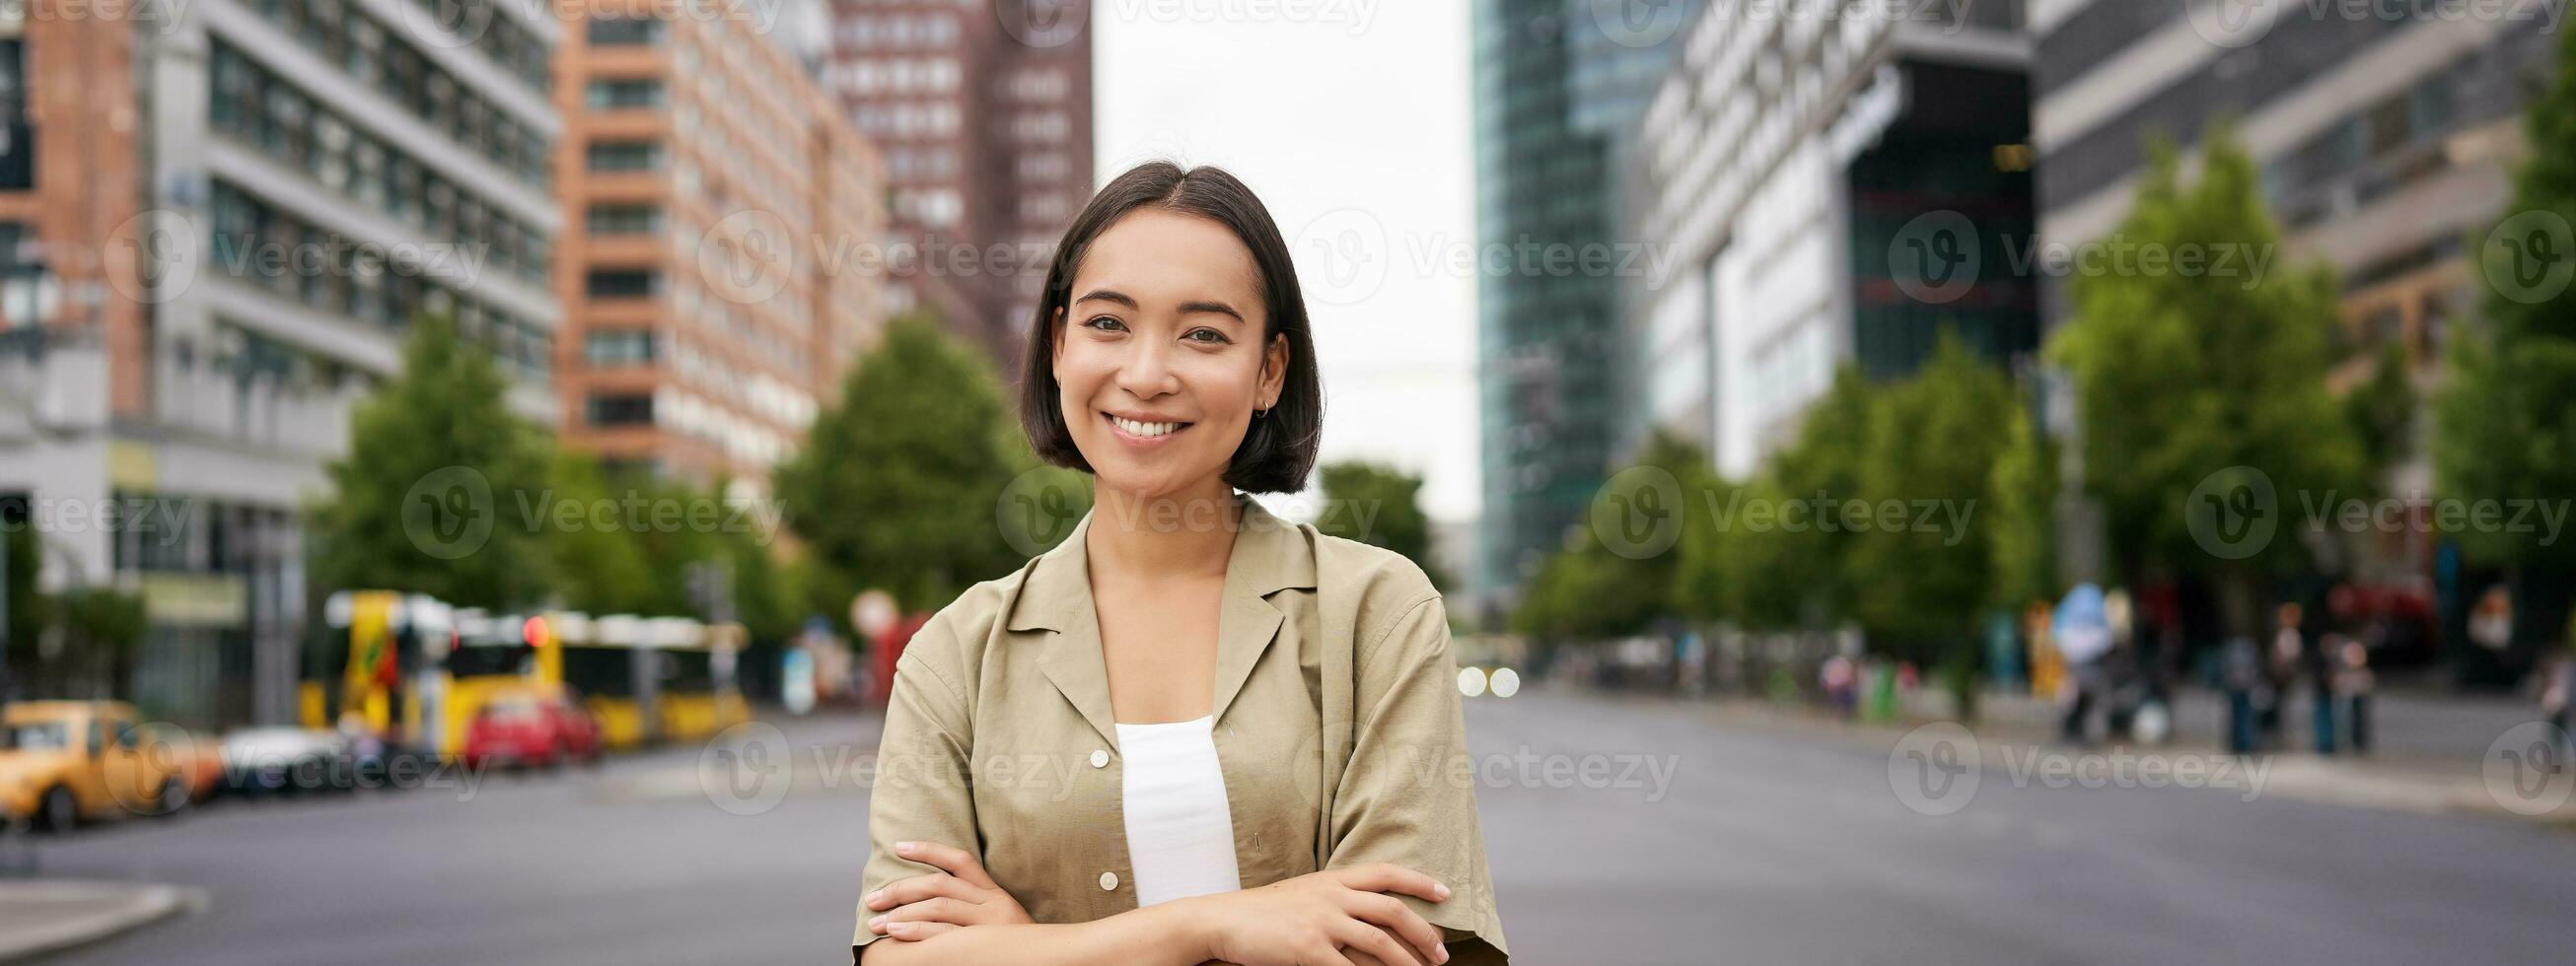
(898, 483)
(435, 458)
(769, 595)
(1921, 563)
(1584, 592)
(1587, 589)
(1934, 440)
(2505, 427)
(1381, 506)
(2022, 552)
(1796, 570)
(2180, 378)
(679, 536)
(1704, 587)
(598, 566)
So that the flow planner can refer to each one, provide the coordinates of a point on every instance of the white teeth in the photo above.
(1149, 430)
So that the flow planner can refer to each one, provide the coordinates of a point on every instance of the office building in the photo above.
(2384, 142)
(219, 218)
(718, 209)
(1558, 86)
(983, 112)
(1801, 169)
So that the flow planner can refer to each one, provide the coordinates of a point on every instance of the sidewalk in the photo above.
(2455, 761)
(2404, 724)
(42, 916)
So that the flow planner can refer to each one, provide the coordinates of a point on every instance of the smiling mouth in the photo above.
(1145, 430)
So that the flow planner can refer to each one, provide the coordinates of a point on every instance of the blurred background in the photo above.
(1958, 480)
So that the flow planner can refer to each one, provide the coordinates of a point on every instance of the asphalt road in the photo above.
(1620, 832)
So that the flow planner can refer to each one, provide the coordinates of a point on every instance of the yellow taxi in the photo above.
(63, 762)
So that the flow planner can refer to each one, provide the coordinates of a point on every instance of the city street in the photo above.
(1770, 844)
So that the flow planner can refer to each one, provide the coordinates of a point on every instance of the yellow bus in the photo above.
(653, 679)
(417, 670)
(415, 662)
(601, 664)
(695, 691)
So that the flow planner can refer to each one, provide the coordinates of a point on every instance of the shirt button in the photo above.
(1109, 882)
(1100, 759)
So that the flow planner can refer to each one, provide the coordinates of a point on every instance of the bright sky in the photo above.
(1351, 120)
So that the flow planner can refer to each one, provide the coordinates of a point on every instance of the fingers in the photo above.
(917, 931)
(1395, 917)
(1390, 877)
(920, 887)
(1364, 939)
(956, 861)
(942, 910)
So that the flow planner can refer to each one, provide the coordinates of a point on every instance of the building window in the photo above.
(620, 410)
(618, 347)
(623, 283)
(625, 219)
(625, 32)
(378, 56)
(612, 93)
(625, 155)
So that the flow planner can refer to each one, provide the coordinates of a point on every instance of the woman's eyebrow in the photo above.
(1191, 307)
(1195, 307)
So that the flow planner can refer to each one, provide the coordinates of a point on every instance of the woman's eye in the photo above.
(1206, 336)
(1105, 324)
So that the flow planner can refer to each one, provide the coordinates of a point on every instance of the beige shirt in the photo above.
(1337, 727)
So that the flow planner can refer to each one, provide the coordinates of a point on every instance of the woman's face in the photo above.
(1160, 361)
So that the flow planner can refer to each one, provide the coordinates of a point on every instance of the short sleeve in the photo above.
(921, 791)
(1408, 795)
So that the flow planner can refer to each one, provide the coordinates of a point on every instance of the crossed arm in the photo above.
(1369, 910)
(1339, 917)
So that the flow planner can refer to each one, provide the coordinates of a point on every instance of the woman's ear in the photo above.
(1055, 339)
(1274, 370)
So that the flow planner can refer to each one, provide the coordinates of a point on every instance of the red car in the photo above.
(531, 730)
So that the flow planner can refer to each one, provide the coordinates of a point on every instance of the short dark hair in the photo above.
(1278, 451)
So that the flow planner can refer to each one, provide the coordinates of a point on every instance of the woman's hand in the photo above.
(1311, 919)
(927, 905)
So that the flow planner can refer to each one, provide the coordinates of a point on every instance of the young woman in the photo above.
(1192, 732)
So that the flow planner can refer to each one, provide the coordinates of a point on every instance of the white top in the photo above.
(1180, 837)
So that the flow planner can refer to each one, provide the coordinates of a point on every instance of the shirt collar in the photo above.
(1269, 555)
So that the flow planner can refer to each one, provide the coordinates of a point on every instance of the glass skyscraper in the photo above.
(1559, 85)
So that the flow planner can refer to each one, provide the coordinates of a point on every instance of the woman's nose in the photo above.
(1147, 371)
